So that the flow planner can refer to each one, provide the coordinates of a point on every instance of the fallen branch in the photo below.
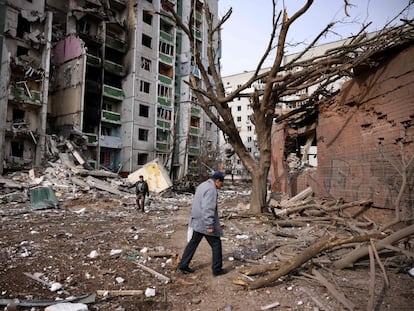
(358, 253)
(322, 244)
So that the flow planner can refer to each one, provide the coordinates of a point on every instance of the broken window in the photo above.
(18, 115)
(166, 27)
(146, 64)
(143, 134)
(22, 51)
(17, 148)
(195, 121)
(142, 158)
(23, 26)
(146, 41)
(143, 111)
(147, 17)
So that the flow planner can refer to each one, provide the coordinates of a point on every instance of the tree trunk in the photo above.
(259, 190)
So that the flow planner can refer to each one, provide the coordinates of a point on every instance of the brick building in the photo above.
(364, 137)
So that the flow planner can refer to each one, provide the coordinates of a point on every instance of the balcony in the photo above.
(115, 43)
(114, 68)
(113, 92)
(111, 116)
(92, 139)
(166, 36)
(165, 58)
(118, 4)
(163, 124)
(110, 142)
(197, 33)
(25, 95)
(93, 60)
(164, 101)
(160, 146)
(195, 111)
(164, 79)
(198, 16)
(193, 150)
(194, 130)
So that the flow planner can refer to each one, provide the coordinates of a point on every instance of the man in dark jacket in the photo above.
(141, 190)
(204, 222)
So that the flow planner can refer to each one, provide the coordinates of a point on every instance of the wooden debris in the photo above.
(322, 244)
(332, 289)
(122, 292)
(358, 253)
(157, 274)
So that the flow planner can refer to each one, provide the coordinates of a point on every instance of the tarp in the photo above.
(154, 174)
(43, 198)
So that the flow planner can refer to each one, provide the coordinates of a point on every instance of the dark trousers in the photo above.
(190, 249)
(140, 201)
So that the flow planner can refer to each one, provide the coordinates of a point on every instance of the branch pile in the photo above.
(341, 235)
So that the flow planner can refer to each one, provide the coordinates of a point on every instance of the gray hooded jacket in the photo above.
(204, 213)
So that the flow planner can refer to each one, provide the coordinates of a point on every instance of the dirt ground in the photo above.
(99, 241)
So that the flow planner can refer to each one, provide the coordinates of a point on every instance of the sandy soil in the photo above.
(58, 246)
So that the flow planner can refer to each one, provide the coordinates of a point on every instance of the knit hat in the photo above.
(218, 175)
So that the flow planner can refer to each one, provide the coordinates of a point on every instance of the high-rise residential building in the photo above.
(109, 76)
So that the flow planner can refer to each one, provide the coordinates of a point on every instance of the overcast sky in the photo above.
(246, 34)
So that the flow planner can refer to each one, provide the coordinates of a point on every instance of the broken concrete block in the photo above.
(42, 198)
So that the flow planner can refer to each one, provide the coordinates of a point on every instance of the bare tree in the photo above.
(281, 80)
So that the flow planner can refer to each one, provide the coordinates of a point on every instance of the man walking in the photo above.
(141, 191)
(204, 222)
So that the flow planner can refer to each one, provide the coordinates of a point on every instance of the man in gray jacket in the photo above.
(204, 221)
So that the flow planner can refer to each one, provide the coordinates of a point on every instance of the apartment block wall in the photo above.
(360, 131)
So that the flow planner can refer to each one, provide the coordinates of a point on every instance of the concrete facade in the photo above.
(105, 74)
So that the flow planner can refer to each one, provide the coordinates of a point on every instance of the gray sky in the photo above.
(246, 34)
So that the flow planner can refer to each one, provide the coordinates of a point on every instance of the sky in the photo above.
(246, 34)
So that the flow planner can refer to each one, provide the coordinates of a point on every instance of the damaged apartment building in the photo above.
(106, 75)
